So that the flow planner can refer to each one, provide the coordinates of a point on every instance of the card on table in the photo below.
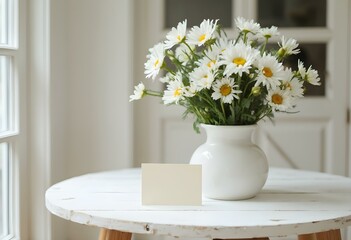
(171, 184)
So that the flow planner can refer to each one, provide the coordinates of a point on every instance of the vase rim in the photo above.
(228, 126)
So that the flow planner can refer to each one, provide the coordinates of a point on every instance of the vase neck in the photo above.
(241, 134)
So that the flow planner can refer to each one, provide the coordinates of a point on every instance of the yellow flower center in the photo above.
(239, 61)
(202, 37)
(277, 99)
(156, 63)
(179, 38)
(225, 90)
(211, 63)
(267, 72)
(177, 92)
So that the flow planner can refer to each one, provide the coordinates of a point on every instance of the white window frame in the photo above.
(38, 167)
(15, 136)
(12, 34)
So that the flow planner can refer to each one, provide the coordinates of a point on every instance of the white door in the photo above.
(314, 139)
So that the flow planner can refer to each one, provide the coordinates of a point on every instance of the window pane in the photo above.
(3, 22)
(197, 10)
(4, 92)
(292, 13)
(4, 190)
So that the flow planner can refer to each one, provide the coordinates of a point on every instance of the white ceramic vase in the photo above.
(233, 167)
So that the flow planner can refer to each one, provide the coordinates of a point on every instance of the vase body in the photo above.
(233, 167)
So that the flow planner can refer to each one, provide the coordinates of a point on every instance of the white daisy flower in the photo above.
(190, 91)
(301, 68)
(183, 52)
(210, 59)
(176, 35)
(165, 79)
(202, 77)
(310, 75)
(250, 38)
(139, 91)
(269, 71)
(268, 32)
(200, 35)
(313, 77)
(221, 45)
(225, 90)
(155, 60)
(292, 84)
(238, 59)
(288, 47)
(280, 100)
(247, 25)
(174, 92)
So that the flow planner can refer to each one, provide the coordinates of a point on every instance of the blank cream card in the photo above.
(171, 184)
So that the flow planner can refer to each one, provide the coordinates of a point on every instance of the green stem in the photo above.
(199, 115)
(191, 50)
(223, 110)
(248, 83)
(264, 46)
(233, 111)
(168, 69)
(207, 98)
(264, 115)
(237, 39)
(153, 93)
(245, 36)
(239, 81)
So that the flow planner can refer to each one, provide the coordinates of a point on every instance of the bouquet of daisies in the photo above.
(225, 81)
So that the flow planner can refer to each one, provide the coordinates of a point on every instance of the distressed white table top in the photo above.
(292, 202)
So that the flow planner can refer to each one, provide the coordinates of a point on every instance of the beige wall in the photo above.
(91, 118)
(59, 96)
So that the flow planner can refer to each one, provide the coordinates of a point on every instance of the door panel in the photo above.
(291, 145)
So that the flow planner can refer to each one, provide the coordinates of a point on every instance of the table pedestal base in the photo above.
(108, 234)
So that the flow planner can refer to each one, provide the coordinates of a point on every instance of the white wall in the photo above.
(58, 104)
(99, 84)
(91, 80)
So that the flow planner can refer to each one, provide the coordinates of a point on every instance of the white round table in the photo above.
(309, 204)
